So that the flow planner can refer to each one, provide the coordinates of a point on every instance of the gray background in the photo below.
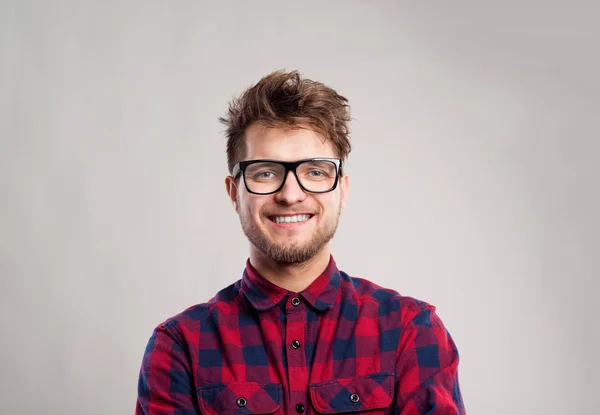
(473, 181)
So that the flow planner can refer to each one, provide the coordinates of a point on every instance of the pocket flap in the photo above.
(239, 398)
(351, 395)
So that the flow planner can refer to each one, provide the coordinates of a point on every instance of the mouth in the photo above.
(290, 219)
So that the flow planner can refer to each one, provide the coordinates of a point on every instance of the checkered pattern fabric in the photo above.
(343, 345)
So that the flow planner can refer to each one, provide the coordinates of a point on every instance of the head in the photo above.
(287, 118)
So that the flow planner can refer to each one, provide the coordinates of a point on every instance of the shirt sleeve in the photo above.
(165, 385)
(427, 368)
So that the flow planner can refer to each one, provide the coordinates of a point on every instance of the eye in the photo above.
(263, 175)
(316, 173)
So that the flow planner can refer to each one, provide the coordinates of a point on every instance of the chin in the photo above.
(290, 243)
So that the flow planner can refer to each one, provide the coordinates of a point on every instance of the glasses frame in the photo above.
(288, 166)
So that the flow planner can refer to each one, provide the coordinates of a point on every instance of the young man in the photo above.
(295, 334)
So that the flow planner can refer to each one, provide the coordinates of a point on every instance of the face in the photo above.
(261, 215)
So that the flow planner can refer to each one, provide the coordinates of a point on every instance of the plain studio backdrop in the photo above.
(474, 181)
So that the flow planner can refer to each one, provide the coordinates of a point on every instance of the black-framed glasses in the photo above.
(264, 177)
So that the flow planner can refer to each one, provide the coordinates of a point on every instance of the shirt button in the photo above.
(295, 344)
(354, 398)
(299, 408)
(241, 402)
(295, 301)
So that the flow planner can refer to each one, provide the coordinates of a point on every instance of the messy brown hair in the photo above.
(286, 100)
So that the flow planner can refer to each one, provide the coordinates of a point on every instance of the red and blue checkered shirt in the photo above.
(342, 345)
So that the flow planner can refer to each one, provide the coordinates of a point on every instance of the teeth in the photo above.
(291, 219)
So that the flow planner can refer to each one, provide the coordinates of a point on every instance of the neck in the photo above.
(292, 277)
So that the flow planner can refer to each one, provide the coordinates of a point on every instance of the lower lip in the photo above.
(290, 225)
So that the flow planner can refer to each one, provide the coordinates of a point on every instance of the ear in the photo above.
(344, 190)
(231, 188)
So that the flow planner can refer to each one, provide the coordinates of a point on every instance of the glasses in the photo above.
(264, 177)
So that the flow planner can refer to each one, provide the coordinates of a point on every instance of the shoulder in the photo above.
(389, 301)
(203, 316)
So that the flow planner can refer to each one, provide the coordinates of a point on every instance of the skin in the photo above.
(291, 256)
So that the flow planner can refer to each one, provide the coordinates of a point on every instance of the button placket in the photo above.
(295, 328)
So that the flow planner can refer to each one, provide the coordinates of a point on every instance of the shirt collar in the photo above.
(263, 294)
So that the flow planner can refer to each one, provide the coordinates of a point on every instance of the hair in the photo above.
(286, 100)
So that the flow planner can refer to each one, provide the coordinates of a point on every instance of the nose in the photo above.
(291, 192)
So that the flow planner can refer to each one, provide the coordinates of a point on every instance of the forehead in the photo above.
(285, 144)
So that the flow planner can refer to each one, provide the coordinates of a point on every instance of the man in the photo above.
(295, 334)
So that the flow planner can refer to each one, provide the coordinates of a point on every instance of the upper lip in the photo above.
(291, 214)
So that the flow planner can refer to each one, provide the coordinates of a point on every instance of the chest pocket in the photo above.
(368, 393)
(239, 398)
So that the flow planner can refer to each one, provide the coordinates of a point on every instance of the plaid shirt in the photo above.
(342, 345)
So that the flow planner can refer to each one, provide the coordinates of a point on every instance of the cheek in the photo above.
(329, 204)
(250, 206)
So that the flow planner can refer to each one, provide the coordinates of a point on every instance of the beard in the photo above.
(293, 253)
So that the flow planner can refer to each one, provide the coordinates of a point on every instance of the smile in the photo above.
(290, 219)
